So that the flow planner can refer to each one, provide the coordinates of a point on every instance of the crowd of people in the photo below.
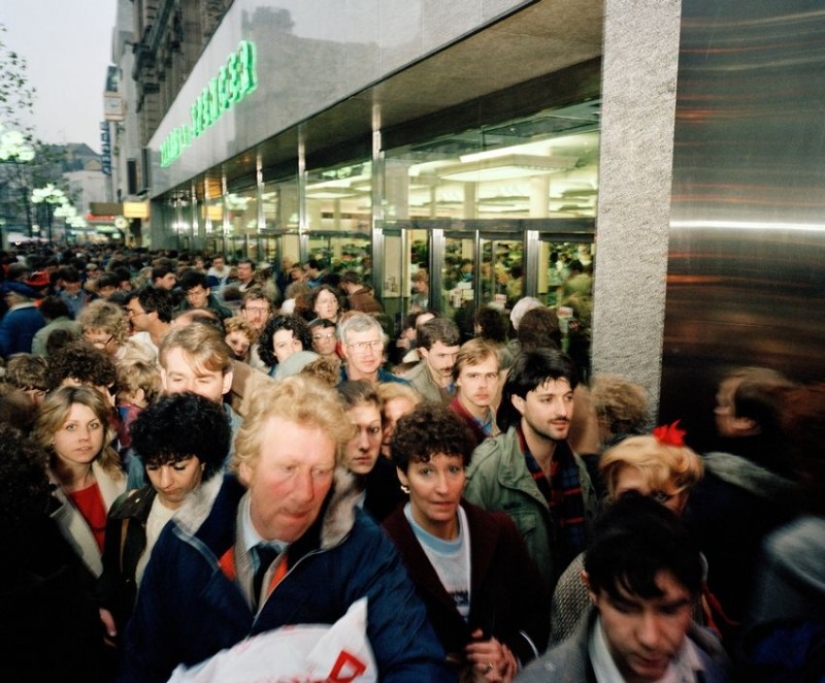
(195, 454)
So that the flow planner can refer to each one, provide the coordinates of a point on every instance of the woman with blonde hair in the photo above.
(74, 428)
(106, 327)
(659, 466)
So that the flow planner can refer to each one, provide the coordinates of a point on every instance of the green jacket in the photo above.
(498, 480)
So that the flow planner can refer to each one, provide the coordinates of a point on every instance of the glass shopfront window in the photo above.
(339, 217)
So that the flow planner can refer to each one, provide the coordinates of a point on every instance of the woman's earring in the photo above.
(405, 489)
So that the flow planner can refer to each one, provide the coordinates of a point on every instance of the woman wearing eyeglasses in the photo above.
(74, 427)
(106, 327)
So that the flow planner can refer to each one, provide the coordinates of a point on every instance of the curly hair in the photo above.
(238, 324)
(660, 464)
(26, 371)
(300, 399)
(428, 431)
(325, 369)
(137, 373)
(54, 411)
(83, 362)
(294, 323)
(619, 404)
(24, 486)
(105, 317)
(180, 426)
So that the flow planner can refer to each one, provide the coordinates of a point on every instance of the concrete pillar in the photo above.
(640, 63)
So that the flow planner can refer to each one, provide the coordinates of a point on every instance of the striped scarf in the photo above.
(562, 490)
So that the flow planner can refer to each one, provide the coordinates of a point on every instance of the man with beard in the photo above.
(530, 472)
(437, 341)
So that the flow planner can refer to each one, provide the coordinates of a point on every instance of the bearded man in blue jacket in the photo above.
(282, 543)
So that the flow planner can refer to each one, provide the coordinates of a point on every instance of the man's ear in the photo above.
(423, 352)
(227, 382)
(518, 403)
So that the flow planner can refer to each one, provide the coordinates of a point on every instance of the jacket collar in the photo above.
(207, 509)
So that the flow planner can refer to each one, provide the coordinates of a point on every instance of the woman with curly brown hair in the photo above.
(74, 428)
(470, 567)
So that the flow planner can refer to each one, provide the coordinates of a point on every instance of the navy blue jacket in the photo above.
(188, 609)
(17, 329)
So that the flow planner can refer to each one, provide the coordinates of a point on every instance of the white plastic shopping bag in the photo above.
(302, 653)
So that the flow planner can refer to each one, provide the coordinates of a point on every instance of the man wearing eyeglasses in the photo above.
(363, 342)
(150, 313)
(256, 309)
(198, 295)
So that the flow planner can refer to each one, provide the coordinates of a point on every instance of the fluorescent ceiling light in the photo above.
(506, 167)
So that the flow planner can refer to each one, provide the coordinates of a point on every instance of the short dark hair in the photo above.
(154, 300)
(161, 270)
(296, 324)
(191, 279)
(350, 277)
(539, 329)
(107, 280)
(69, 274)
(178, 426)
(531, 369)
(437, 330)
(53, 307)
(430, 430)
(634, 540)
(83, 362)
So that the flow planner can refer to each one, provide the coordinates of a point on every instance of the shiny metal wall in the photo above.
(746, 272)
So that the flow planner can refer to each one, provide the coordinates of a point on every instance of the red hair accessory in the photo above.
(670, 435)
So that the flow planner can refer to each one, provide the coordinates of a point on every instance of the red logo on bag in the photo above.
(346, 668)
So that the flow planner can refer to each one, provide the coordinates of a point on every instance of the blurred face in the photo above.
(174, 480)
(326, 305)
(256, 313)
(547, 410)
(80, 438)
(137, 316)
(168, 281)
(725, 412)
(632, 479)
(324, 340)
(239, 343)
(435, 492)
(101, 339)
(440, 360)
(364, 352)
(179, 373)
(245, 272)
(477, 384)
(71, 287)
(394, 410)
(363, 449)
(284, 344)
(218, 263)
(289, 479)
(197, 296)
(643, 635)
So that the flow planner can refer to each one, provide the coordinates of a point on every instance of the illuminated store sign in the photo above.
(235, 80)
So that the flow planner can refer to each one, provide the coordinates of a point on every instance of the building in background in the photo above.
(484, 138)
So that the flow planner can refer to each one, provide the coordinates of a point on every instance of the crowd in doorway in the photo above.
(200, 457)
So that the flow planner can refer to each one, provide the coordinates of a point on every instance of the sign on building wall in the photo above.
(105, 148)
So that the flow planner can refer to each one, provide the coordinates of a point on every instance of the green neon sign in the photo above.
(235, 81)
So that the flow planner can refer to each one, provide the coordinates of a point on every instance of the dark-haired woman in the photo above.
(183, 440)
(483, 594)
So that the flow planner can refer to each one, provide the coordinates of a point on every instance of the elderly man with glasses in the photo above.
(362, 343)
